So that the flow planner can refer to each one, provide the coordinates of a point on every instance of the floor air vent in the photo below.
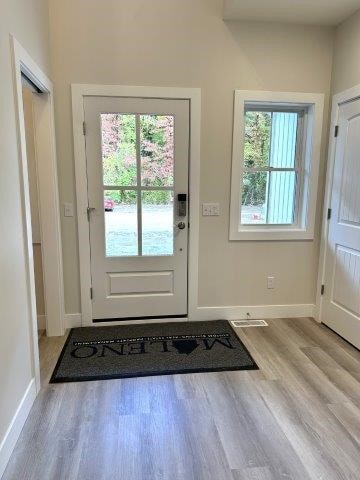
(249, 323)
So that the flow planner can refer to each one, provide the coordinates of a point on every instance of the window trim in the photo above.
(303, 229)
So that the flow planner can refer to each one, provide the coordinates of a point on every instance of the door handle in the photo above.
(89, 211)
(181, 225)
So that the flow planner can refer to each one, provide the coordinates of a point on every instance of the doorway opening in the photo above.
(156, 274)
(138, 227)
(29, 94)
(39, 199)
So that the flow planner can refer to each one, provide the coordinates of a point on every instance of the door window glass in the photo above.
(138, 183)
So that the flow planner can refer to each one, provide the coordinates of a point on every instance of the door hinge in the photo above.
(91, 293)
(89, 211)
(84, 128)
(322, 291)
(329, 212)
(336, 133)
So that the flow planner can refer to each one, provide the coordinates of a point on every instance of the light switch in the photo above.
(210, 209)
(271, 282)
(68, 210)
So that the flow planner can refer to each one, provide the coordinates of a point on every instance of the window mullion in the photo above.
(138, 184)
(269, 169)
(268, 196)
(134, 187)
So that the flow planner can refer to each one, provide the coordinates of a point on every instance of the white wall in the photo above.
(186, 43)
(28, 21)
(346, 72)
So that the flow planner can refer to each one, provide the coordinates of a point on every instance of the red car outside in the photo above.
(108, 204)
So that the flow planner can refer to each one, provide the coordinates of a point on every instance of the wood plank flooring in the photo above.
(297, 418)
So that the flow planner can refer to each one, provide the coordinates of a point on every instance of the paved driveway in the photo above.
(121, 230)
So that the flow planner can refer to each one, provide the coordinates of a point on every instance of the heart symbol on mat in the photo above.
(185, 346)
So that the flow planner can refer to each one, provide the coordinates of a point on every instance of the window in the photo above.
(138, 183)
(276, 152)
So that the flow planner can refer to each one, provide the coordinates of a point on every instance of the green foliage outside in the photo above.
(256, 154)
(119, 156)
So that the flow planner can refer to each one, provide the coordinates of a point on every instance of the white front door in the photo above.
(342, 275)
(137, 152)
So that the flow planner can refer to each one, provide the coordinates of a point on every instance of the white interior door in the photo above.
(137, 152)
(342, 285)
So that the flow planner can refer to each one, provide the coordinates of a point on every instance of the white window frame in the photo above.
(303, 228)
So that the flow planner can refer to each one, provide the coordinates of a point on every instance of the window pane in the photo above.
(257, 139)
(157, 222)
(281, 203)
(121, 238)
(268, 198)
(270, 139)
(157, 150)
(118, 135)
(254, 198)
(283, 139)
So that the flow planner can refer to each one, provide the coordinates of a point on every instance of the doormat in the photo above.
(124, 351)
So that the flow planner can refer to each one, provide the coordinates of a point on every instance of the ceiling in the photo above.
(316, 12)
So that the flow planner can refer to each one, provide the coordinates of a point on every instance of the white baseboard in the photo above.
(225, 312)
(72, 320)
(41, 322)
(12, 434)
(256, 311)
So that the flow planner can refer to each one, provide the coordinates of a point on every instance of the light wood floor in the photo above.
(298, 417)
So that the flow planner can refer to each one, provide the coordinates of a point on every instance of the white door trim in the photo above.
(79, 91)
(48, 200)
(338, 99)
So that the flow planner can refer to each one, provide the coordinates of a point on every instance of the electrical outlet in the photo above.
(68, 210)
(210, 209)
(270, 282)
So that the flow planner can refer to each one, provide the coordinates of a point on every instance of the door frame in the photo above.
(79, 91)
(48, 200)
(339, 99)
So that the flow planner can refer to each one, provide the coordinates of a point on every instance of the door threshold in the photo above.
(134, 320)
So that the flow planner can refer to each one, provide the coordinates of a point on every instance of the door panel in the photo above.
(342, 285)
(347, 279)
(137, 164)
(130, 283)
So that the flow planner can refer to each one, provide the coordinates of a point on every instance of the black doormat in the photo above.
(98, 353)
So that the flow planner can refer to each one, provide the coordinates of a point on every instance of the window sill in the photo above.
(271, 234)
